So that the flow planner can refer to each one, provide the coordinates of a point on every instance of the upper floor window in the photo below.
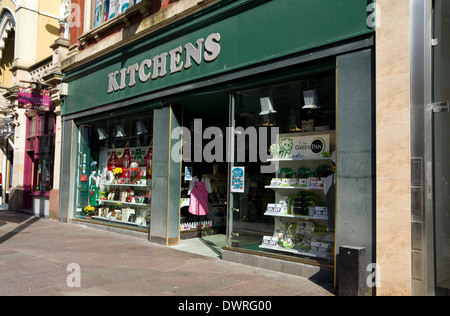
(40, 149)
(108, 9)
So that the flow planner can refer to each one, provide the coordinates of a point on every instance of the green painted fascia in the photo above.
(252, 32)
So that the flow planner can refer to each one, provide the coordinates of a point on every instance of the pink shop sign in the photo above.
(34, 99)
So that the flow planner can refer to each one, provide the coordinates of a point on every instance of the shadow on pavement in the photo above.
(24, 224)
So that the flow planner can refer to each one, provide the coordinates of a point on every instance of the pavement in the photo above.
(41, 257)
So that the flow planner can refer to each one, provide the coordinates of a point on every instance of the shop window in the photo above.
(285, 206)
(40, 148)
(108, 9)
(115, 171)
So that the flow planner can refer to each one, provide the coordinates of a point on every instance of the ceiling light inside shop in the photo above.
(311, 100)
(140, 128)
(267, 113)
(267, 106)
(102, 134)
(120, 131)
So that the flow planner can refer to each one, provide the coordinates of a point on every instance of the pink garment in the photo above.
(199, 199)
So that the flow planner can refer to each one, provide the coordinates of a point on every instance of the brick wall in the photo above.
(76, 20)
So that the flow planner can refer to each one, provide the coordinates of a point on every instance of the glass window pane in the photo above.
(115, 171)
(442, 52)
(286, 206)
(442, 147)
(32, 126)
(42, 120)
(45, 163)
(98, 13)
(122, 6)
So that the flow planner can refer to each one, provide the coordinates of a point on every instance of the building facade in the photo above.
(292, 129)
(32, 50)
(253, 120)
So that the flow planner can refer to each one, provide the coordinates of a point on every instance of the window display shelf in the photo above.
(299, 159)
(297, 216)
(295, 251)
(112, 220)
(128, 185)
(124, 203)
(292, 188)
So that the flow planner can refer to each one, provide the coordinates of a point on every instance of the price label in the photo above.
(269, 241)
(273, 209)
(321, 212)
(319, 249)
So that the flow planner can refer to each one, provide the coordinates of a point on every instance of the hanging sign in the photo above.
(238, 180)
(34, 99)
(303, 147)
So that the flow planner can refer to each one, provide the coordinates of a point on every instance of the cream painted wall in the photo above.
(33, 43)
(48, 29)
(393, 225)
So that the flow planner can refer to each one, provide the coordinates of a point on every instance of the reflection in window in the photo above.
(108, 9)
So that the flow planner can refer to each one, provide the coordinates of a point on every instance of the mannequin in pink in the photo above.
(199, 190)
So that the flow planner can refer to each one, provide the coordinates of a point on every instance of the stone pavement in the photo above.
(36, 257)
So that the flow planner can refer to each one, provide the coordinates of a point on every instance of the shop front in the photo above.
(220, 126)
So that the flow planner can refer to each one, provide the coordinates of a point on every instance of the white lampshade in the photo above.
(102, 134)
(120, 131)
(311, 100)
(267, 106)
(140, 128)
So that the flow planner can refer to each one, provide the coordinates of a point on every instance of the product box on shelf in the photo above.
(274, 209)
(126, 212)
(276, 182)
(315, 183)
(321, 212)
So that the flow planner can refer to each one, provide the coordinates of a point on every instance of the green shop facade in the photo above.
(251, 120)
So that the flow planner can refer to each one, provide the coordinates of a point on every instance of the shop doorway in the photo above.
(204, 178)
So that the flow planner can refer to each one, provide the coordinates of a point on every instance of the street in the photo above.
(40, 257)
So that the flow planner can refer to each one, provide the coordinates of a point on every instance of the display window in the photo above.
(282, 176)
(40, 149)
(115, 171)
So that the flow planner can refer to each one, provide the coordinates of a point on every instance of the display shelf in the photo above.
(294, 251)
(112, 220)
(304, 217)
(124, 203)
(292, 188)
(128, 185)
(299, 159)
(295, 191)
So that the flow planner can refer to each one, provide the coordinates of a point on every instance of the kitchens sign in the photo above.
(176, 60)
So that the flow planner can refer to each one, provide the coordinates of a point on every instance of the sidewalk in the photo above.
(35, 255)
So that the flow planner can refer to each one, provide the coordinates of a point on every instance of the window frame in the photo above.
(102, 11)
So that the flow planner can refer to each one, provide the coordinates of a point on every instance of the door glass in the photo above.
(442, 51)
(442, 146)
(442, 200)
